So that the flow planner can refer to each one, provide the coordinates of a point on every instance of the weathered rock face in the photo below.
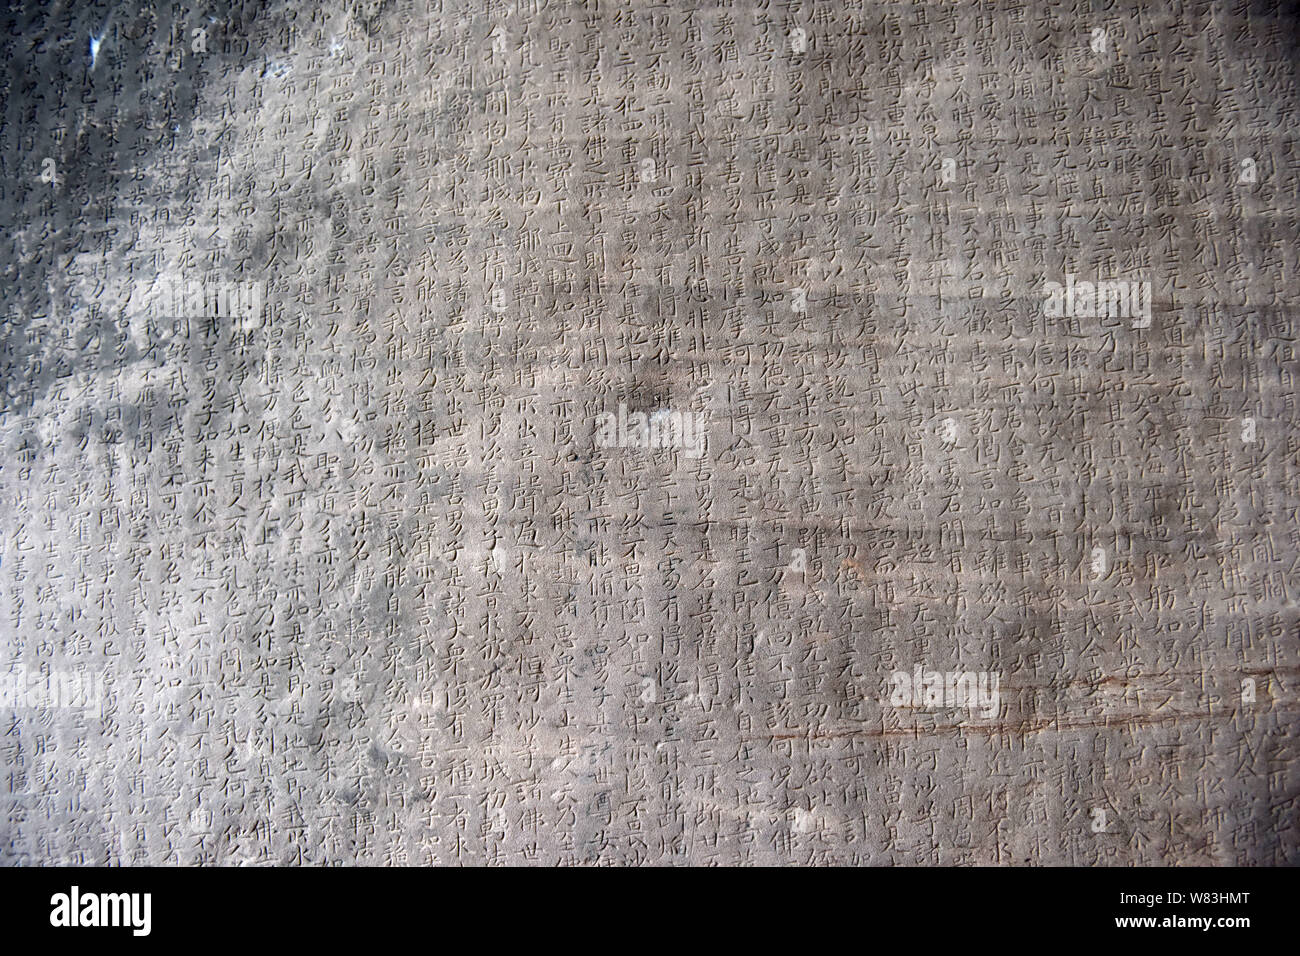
(741, 433)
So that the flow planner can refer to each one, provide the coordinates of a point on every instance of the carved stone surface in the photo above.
(538, 433)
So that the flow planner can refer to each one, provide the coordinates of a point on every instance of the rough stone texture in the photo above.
(353, 576)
